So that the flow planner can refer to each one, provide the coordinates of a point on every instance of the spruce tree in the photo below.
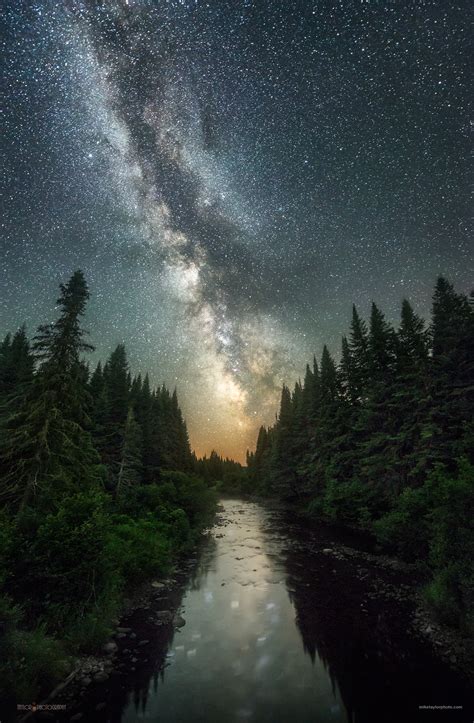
(131, 460)
(16, 367)
(359, 348)
(450, 432)
(115, 410)
(285, 475)
(376, 420)
(411, 398)
(45, 445)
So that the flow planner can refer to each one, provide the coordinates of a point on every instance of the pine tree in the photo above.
(131, 461)
(330, 417)
(359, 348)
(16, 367)
(450, 432)
(144, 416)
(285, 475)
(376, 423)
(347, 374)
(410, 400)
(114, 411)
(45, 445)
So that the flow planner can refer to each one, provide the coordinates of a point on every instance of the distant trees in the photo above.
(373, 441)
(230, 475)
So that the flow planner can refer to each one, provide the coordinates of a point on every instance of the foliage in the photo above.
(384, 442)
(97, 494)
(139, 548)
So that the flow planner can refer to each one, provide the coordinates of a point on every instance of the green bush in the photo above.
(193, 496)
(69, 568)
(138, 549)
(88, 632)
(30, 660)
(140, 500)
(63, 558)
(405, 530)
(451, 553)
(434, 524)
(347, 503)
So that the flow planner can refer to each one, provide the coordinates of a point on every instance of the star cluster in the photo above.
(231, 175)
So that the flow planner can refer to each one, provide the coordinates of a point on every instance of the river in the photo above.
(276, 633)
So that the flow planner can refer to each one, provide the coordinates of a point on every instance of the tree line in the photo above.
(98, 492)
(383, 442)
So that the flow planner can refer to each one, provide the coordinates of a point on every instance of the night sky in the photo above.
(231, 175)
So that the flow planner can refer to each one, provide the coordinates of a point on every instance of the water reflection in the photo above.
(240, 656)
(274, 633)
(381, 672)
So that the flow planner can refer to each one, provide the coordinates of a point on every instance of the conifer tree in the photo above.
(376, 420)
(45, 445)
(143, 412)
(16, 367)
(285, 477)
(131, 461)
(410, 399)
(114, 412)
(359, 348)
(450, 432)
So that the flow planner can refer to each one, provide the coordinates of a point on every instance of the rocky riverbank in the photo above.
(389, 580)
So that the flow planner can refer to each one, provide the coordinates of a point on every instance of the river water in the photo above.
(275, 634)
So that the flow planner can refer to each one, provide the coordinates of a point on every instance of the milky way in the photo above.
(231, 176)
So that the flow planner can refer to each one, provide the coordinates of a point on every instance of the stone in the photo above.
(78, 716)
(143, 642)
(133, 636)
(101, 676)
(100, 706)
(158, 585)
(179, 621)
(164, 615)
(110, 648)
(86, 681)
(124, 630)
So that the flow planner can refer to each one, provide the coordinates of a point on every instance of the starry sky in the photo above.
(231, 175)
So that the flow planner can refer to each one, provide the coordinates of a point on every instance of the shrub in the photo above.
(452, 544)
(193, 496)
(63, 559)
(30, 660)
(405, 530)
(139, 548)
(433, 523)
(348, 503)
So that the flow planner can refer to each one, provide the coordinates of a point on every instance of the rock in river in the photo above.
(110, 648)
(165, 616)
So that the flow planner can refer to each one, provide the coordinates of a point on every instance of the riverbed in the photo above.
(278, 626)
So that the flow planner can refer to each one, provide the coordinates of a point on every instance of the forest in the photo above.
(99, 492)
(383, 443)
